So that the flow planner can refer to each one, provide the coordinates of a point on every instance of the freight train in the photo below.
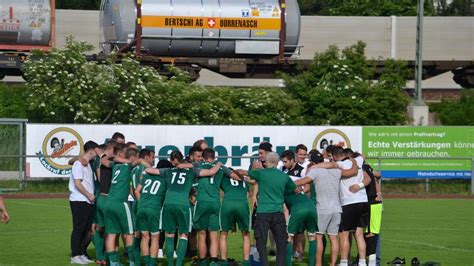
(24, 25)
(236, 38)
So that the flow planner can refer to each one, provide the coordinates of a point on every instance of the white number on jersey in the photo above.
(235, 183)
(116, 174)
(181, 178)
(154, 187)
(133, 181)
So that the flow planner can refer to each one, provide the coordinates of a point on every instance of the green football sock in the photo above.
(113, 257)
(312, 252)
(99, 246)
(289, 252)
(131, 254)
(203, 262)
(214, 262)
(146, 259)
(181, 250)
(153, 262)
(246, 263)
(169, 250)
(136, 250)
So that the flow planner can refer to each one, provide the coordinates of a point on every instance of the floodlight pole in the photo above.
(418, 111)
(419, 52)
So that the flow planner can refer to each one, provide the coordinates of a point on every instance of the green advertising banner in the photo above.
(427, 152)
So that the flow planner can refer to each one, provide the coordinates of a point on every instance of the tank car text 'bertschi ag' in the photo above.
(208, 28)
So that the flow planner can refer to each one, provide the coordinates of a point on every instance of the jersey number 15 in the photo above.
(181, 178)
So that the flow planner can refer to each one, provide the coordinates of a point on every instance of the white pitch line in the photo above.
(36, 204)
(428, 245)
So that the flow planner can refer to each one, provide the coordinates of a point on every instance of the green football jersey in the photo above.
(120, 185)
(208, 187)
(234, 189)
(137, 172)
(298, 200)
(272, 184)
(179, 183)
(153, 191)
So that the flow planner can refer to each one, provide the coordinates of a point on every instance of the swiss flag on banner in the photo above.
(211, 22)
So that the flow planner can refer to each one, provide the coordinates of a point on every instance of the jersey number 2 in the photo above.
(116, 174)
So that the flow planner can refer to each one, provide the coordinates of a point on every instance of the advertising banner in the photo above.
(52, 141)
(416, 143)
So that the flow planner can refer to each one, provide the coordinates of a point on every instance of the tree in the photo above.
(455, 8)
(12, 101)
(364, 7)
(196, 105)
(63, 87)
(457, 113)
(337, 89)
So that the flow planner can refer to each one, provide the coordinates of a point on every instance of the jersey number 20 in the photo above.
(154, 187)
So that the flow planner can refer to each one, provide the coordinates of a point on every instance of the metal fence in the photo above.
(12, 147)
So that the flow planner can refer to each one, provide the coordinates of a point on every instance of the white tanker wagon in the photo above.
(208, 28)
(235, 38)
(24, 25)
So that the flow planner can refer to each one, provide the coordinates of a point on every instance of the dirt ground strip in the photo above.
(387, 196)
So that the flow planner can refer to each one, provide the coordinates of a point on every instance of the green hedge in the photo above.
(456, 113)
(12, 101)
(336, 89)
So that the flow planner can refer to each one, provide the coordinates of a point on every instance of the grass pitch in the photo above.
(432, 230)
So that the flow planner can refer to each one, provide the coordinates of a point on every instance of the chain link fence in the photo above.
(12, 149)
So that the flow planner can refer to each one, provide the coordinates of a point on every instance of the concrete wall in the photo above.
(446, 38)
(317, 33)
(82, 24)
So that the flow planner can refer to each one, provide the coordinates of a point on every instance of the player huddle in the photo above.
(192, 203)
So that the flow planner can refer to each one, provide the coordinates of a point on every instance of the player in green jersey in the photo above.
(302, 217)
(176, 209)
(207, 207)
(118, 217)
(194, 157)
(235, 210)
(148, 157)
(294, 169)
(150, 194)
